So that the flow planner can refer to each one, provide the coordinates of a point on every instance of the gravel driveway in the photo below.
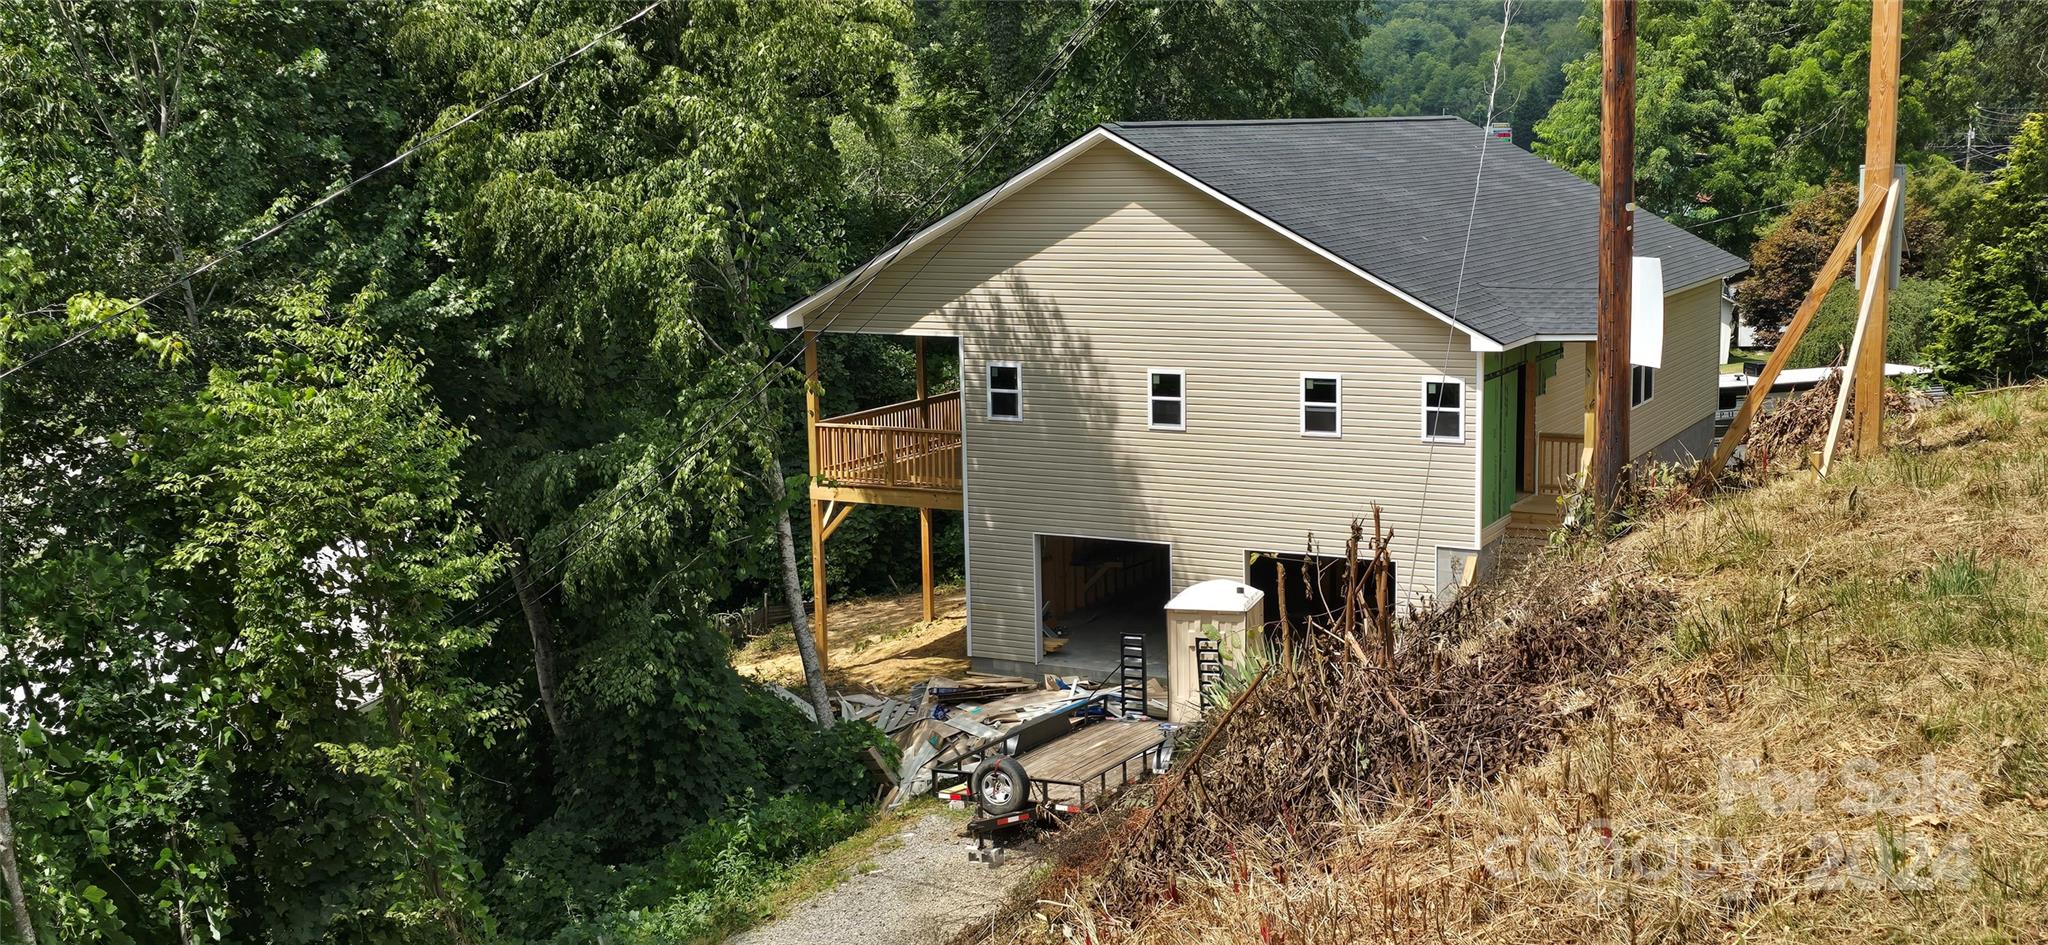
(920, 891)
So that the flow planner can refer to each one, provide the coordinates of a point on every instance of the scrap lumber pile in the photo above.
(947, 718)
(966, 715)
(1471, 689)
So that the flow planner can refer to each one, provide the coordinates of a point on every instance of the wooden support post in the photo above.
(1590, 386)
(1617, 246)
(924, 546)
(924, 391)
(1879, 153)
(1858, 228)
(811, 414)
(1866, 325)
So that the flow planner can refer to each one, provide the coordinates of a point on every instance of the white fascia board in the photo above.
(795, 315)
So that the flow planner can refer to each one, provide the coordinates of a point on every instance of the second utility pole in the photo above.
(1617, 246)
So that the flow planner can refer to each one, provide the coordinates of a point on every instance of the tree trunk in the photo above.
(793, 593)
(427, 863)
(542, 629)
(10, 868)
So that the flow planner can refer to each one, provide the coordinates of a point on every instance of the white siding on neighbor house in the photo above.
(1110, 267)
(1687, 388)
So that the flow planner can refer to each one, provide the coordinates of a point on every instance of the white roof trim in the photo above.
(794, 316)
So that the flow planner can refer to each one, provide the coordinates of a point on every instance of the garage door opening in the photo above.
(1311, 587)
(1093, 591)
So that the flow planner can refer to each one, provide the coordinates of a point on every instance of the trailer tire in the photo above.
(1000, 786)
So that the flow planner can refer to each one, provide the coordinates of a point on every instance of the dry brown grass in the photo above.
(1880, 634)
(879, 644)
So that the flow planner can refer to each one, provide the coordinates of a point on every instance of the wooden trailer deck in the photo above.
(1073, 772)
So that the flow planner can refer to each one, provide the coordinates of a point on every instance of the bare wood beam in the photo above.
(835, 514)
(1880, 144)
(1866, 327)
(811, 411)
(924, 545)
(900, 495)
(1794, 330)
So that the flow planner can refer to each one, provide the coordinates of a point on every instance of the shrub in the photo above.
(1908, 323)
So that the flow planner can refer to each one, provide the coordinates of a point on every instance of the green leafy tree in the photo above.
(606, 253)
(1436, 58)
(1783, 264)
(1744, 105)
(1992, 325)
(1145, 61)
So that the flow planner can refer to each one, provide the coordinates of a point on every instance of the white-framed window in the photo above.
(1005, 390)
(1443, 410)
(1322, 405)
(1166, 399)
(1642, 383)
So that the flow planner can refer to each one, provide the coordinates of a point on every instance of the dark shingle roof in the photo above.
(1391, 196)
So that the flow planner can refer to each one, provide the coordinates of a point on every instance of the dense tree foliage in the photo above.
(1992, 325)
(1745, 105)
(361, 587)
(1784, 262)
(1435, 57)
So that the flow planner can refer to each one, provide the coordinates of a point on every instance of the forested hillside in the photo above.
(364, 521)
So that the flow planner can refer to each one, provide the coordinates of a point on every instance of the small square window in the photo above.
(1005, 391)
(1642, 382)
(1443, 410)
(1322, 404)
(1167, 400)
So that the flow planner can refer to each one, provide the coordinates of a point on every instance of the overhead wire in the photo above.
(278, 227)
(979, 153)
(1458, 297)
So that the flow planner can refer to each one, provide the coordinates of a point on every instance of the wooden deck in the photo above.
(901, 454)
(1091, 760)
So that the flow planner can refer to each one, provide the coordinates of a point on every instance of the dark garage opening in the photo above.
(1092, 591)
(1313, 585)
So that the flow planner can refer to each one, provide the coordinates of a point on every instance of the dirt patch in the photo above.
(879, 644)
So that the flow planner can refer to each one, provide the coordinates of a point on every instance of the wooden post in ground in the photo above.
(924, 515)
(924, 545)
(811, 412)
(1879, 153)
(1858, 228)
(1866, 322)
(1617, 246)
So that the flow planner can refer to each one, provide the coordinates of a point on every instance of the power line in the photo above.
(330, 197)
(1507, 11)
(1006, 123)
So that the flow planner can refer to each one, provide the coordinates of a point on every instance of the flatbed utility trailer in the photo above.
(1065, 774)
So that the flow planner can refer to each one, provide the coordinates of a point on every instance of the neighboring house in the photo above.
(1189, 347)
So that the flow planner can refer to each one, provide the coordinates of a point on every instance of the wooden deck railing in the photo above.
(911, 445)
(1557, 460)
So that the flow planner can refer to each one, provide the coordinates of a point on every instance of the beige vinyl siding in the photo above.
(1687, 386)
(1110, 267)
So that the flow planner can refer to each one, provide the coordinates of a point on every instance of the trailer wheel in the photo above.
(1000, 786)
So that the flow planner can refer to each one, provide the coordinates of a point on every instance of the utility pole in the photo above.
(1879, 151)
(1617, 246)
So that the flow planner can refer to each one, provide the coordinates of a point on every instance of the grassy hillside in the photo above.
(1837, 731)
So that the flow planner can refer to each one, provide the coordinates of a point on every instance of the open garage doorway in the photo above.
(1309, 587)
(1093, 591)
